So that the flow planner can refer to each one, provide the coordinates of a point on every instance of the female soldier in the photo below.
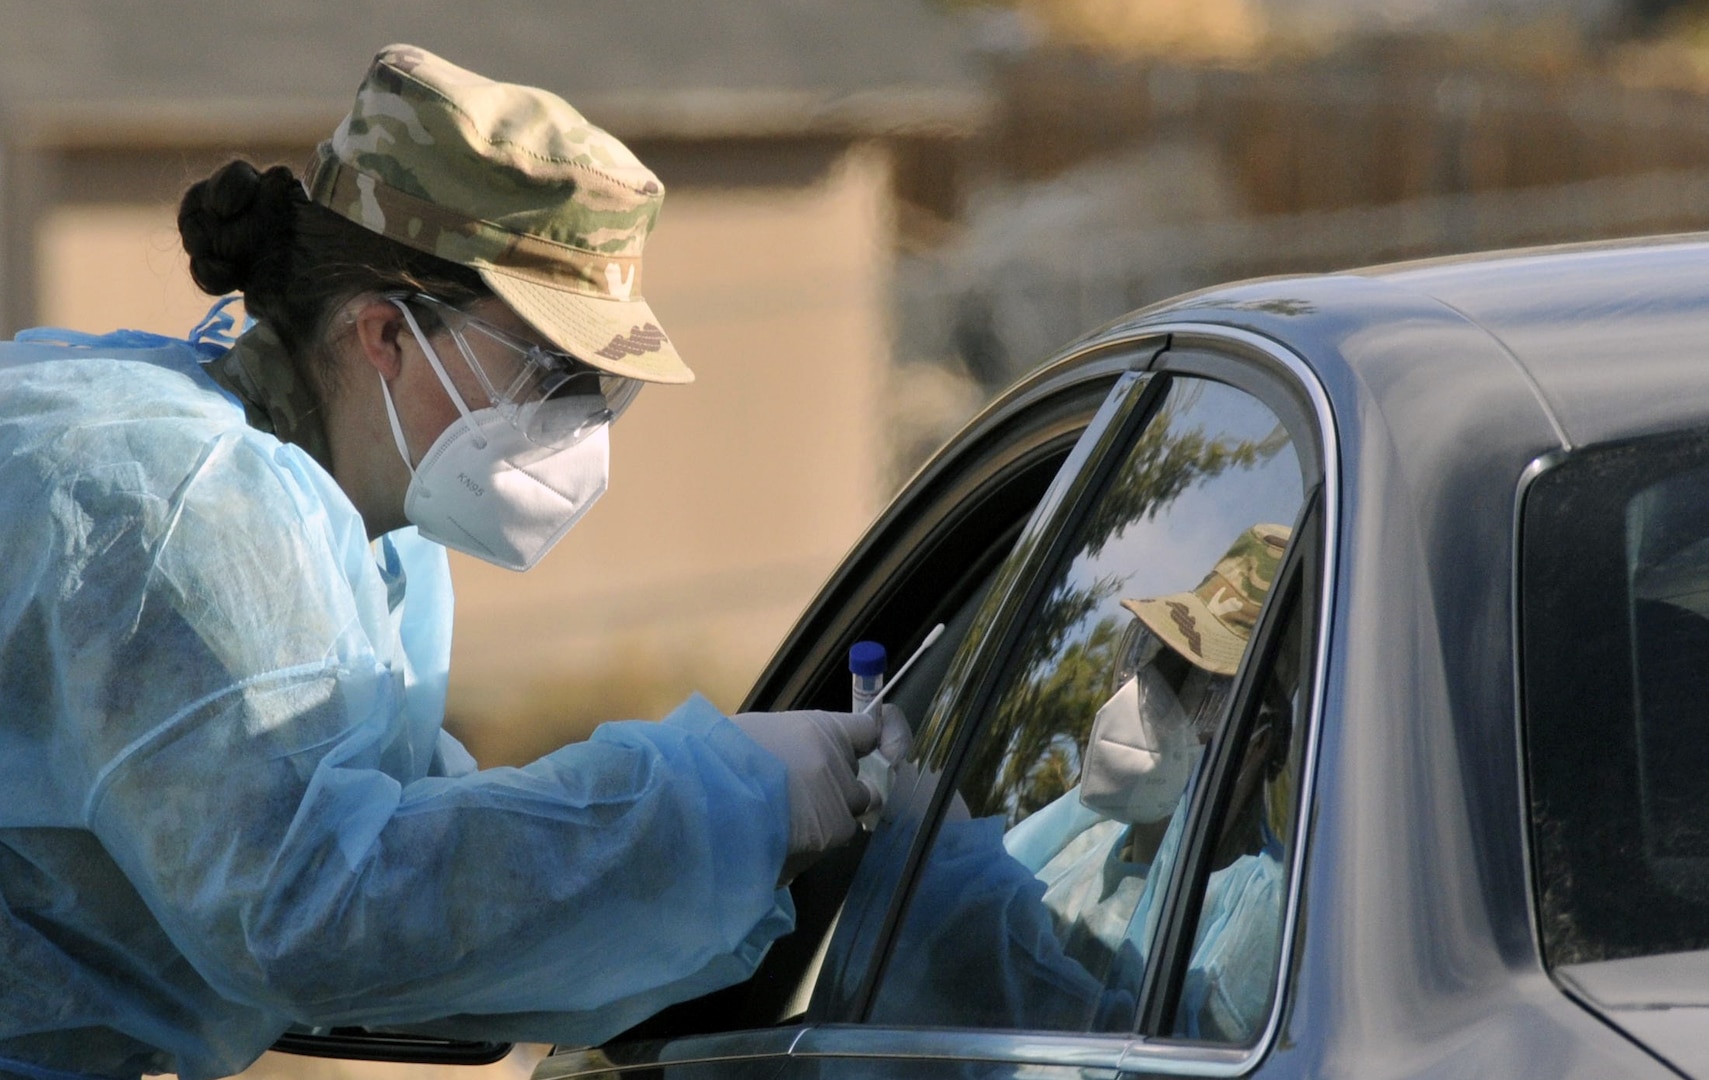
(226, 803)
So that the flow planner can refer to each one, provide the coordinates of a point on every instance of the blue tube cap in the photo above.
(866, 658)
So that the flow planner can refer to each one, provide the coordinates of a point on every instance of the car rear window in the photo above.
(1615, 676)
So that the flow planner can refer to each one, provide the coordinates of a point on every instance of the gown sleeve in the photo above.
(243, 731)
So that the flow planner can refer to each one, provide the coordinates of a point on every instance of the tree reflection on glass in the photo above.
(1063, 666)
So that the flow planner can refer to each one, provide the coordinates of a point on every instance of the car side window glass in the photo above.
(1035, 905)
(1616, 676)
(1237, 943)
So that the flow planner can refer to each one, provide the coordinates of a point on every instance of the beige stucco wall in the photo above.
(731, 499)
(104, 267)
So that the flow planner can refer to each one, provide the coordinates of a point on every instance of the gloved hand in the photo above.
(877, 769)
(896, 735)
(819, 749)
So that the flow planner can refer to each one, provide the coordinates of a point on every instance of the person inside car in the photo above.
(227, 804)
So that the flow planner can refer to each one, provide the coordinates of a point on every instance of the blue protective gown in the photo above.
(226, 803)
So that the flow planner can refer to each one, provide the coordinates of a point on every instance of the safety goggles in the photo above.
(522, 380)
(1203, 695)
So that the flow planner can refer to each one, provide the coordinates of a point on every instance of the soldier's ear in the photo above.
(379, 327)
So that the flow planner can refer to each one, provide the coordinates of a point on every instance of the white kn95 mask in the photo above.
(485, 489)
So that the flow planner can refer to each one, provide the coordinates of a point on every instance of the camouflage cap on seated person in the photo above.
(1211, 625)
(514, 183)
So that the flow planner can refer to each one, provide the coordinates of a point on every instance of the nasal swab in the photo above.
(937, 631)
(874, 769)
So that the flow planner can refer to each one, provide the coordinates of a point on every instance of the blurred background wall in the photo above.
(879, 213)
(1143, 149)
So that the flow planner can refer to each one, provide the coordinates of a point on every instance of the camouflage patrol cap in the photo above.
(510, 181)
(1211, 625)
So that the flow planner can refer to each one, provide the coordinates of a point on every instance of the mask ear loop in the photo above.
(444, 380)
(397, 428)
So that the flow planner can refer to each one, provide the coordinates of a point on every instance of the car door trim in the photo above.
(689, 1050)
(1522, 756)
(970, 1044)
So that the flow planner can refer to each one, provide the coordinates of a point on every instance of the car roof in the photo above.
(1615, 334)
(1611, 337)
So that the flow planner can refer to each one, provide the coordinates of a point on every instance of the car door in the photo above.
(1019, 909)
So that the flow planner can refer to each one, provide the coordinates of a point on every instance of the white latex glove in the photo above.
(819, 749)
(877, 769)
(895, 736)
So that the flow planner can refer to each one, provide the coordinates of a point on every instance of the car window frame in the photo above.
(1282, 381)
(1229, 354)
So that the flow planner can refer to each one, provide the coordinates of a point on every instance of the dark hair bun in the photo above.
(237, 228)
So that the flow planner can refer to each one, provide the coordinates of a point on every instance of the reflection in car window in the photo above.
(1033, 906)
(1237, 943)
(1616, 679)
